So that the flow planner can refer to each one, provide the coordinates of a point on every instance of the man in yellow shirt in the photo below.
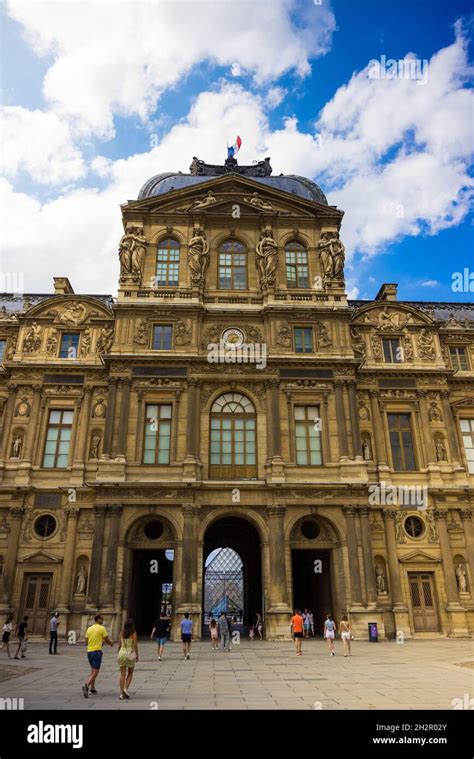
(95, 636)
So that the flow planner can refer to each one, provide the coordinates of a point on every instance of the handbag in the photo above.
(132, 656)
(23, 646)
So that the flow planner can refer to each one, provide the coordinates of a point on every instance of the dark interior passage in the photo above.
(312, 589)
(151, 591)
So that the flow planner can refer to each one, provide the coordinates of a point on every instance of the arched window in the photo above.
(233, 438)
(296, 258)
(232, 266)
(167, 263)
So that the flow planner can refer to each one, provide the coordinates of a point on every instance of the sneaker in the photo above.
(159, 658)
(85, 691)
(122, 697)
(126, 694)
(93, 690)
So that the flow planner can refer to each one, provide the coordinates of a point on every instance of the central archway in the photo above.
(232, 571)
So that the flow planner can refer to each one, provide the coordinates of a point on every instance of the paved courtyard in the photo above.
(254, 675)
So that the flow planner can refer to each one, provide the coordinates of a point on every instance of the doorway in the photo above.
(423, 599)
(35, 595)
(151, 590)
(312, 584)
(232, 572)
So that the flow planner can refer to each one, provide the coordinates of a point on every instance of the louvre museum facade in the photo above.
(232, 432)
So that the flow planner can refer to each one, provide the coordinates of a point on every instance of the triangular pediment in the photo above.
(40, 557)
(463, 403)
(418, 557)
(254, 199)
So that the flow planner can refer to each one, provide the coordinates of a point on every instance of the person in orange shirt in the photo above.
(297, 630)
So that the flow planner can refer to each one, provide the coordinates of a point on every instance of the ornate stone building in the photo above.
(232, 397)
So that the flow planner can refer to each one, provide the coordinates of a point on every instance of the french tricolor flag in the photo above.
(234, 148)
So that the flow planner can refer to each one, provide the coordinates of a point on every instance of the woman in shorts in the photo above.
(6, 632)
(345, 632)
(127, 657)
(214, 634)
(329, 633)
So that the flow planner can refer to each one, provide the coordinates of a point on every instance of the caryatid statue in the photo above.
(125, 252)
(332, 255)
(132, 249)
(267, 256)
(138, 253)
(198, 256)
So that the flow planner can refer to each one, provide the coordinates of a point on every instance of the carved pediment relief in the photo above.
(419, 557)
(70, 310)
(40, 557)
(390, 318)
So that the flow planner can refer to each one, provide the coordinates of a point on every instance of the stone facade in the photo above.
(331, 536)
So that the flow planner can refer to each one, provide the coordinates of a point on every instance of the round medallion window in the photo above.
(153, 530)
(310, 529)
(233, 337)
(45, 526)
(414, 527)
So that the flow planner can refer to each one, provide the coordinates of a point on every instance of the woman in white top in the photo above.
(346, 633)
(329, 633)
(6, 632)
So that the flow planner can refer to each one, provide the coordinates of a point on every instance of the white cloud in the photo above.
(118, 57)
(40, 144)
(430, 283)
(275, 96)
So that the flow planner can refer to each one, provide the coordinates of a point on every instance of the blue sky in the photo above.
(100, 96)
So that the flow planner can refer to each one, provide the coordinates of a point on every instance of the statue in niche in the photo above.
(208, 200)
(376, 348)
(441, 453)
(17, 445)
(198, 256)
(366, 448)
(32, 341)
(86, 342)
(105, 340)
(138, 253)
(267, 252)
(380, 579)
(432, 536)
(426, 345)
(81, 581)
(132, 249)
(332, 253)
(434, 413)
(125, 252)
(52, 343)
(284, 337)
(407, 348)
(95, 446)
(322, 335)
(259, 202)
(461, 578)
(358, 343)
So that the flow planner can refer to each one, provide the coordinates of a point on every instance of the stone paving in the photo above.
(254, 675)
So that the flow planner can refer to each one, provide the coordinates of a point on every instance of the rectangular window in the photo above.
(69, 345)
(391, 351)
(307, 436)
(297, 274)
(401, 442)
(232, 271)
(3, 345)
(167, 264)
(467, 432)
(303, 339)
(458, 358)
(162, 337)
(157, 434)
(58, 439)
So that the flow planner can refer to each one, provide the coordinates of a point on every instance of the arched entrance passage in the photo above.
(235, 575)
(150, 564)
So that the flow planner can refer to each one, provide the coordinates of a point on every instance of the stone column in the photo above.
(109, 418)
(354, 411)
(354, 568)
(450, 426)
(426, 429)
(108, 583)
(72, 515)
(377, 425)
(192, 429)
(34, 416)
(390, 516)
(123, 420)
(189, 557)
(16, 514)
(466, 516)
(341, 420)
(7, 419)
(96, 558)
(276, 516)
(84, 425)
(441, 516)
(371, 590)
(326, 436)
(275, 424)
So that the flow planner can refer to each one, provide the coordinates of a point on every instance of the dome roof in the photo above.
(291, 183)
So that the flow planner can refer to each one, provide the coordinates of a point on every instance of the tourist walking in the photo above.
(96, 636)
(186, 635)
(297, 630)
(6, 632)
(214, 634)
(53, 633)
(311, 622)
(22, 637)
(306, 623)
(259, 626)
(127, 657)
(160, 631)
(345, 631)
(329, 633)
(224, 631)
